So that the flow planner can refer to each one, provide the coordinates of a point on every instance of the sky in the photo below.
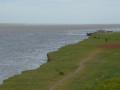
(60, 11)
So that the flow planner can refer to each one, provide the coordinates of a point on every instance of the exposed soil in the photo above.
(110, 45)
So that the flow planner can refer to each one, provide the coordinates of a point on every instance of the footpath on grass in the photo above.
(78, 70)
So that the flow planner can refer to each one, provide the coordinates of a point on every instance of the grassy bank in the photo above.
(88, 65)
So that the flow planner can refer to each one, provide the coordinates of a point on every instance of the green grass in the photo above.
(100, 73)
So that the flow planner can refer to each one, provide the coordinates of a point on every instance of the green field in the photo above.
(82, 66)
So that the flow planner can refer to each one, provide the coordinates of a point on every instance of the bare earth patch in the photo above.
(110, 45)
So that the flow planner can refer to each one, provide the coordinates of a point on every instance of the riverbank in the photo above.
(82, 66)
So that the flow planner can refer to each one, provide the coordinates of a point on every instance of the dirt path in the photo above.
(77, 71)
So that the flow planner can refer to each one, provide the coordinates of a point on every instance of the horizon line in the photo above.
(58, 24)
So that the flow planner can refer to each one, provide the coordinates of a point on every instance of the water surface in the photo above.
(25, 48)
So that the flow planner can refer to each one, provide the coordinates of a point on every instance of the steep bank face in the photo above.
(82, 66)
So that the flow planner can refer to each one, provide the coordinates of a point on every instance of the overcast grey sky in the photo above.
(60, 11)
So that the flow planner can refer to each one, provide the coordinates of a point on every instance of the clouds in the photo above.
(60, 11)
